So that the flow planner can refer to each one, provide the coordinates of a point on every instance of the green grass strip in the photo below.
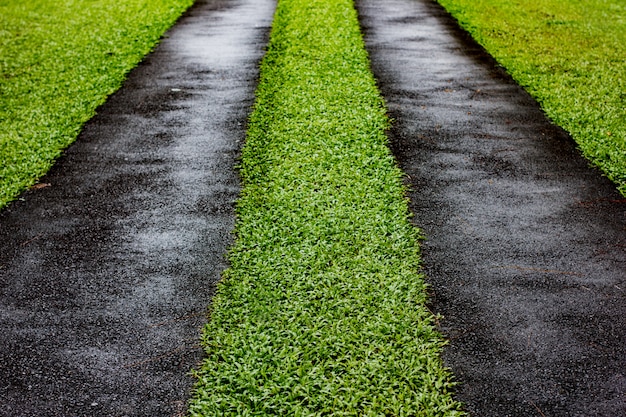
(59, 60)
(571, 56)
(322, 310)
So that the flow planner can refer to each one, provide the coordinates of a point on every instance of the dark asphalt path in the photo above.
(106, 274)
(526, 245)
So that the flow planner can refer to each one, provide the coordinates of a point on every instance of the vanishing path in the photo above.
(526, 245)
(106, 274)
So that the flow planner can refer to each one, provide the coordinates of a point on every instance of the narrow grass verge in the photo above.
(322, 310)
(571, 56)
(59, 60)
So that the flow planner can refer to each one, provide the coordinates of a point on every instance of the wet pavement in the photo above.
(107, 268)
(525, 244)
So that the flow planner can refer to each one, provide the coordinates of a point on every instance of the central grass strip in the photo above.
(322, 311)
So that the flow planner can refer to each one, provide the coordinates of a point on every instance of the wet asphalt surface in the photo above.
(107, 269)
(106, 273)
(525, 244)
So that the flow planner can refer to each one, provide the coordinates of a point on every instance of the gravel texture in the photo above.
(525, 244)
(108, 266)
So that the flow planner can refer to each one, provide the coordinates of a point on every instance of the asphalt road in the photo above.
(107, 269)
(525, 244)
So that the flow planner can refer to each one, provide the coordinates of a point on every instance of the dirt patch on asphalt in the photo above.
(107, 270)
(525, 244)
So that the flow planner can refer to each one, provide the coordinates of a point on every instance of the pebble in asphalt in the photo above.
(525, 244)
(106, 274)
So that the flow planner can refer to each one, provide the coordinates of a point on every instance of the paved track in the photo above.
(106, 274)
(526, 245)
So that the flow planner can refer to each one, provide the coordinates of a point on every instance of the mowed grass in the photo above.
(571, 56)
(59, 60)
(322, 310)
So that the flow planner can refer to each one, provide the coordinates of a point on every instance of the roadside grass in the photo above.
(569, 55)
(59, 60)
(322, 311)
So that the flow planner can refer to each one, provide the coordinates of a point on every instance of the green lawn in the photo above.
(322, 311)
(571, 56)
(59, 60)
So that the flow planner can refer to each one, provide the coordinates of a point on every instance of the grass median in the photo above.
(571, 56)
(59, 60)
(322, 310)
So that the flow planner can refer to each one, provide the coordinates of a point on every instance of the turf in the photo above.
(59, 60)
(571, 56)
(322, 310)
